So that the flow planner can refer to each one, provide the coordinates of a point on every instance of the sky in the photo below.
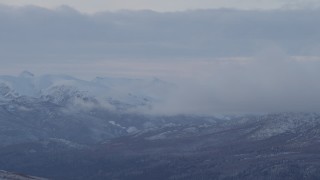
(248, 55)
(163, 5)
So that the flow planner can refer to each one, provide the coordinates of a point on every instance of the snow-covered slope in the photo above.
(6, 93)
(116, 93)
(4, 175)
(35, 108)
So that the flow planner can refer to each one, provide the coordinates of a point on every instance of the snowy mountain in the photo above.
(61, 127)
(271, 146)
(115, 93)
(6, 92)
(4, 175)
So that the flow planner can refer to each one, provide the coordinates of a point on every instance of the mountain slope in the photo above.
(61, 127)
(4, 175)
(115, 93)
(183, 147)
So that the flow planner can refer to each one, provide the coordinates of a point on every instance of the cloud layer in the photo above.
(257, 85)
(35, 34)
(225, 60)
(163, 5)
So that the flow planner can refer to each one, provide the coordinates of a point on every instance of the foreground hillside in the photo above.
(277, 146)
(4, 175)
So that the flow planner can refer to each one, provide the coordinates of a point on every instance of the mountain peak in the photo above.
(26, 74)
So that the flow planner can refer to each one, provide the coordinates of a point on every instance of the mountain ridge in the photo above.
(118, 93)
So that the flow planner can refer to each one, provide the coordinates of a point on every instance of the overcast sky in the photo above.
(237, 59)
(165, 5)
(33, 37)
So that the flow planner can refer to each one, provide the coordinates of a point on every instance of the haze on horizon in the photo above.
(165, 5)
(255, 56)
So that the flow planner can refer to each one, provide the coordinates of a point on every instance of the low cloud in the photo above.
(33, 34)
(257, 85)
(224, 60)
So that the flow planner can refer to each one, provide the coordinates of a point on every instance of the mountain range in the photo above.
(61, 127)
(117, 93)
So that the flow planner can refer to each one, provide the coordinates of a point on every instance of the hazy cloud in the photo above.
(225, 60)
(163, 5)
(258, 85)
(36, 34)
